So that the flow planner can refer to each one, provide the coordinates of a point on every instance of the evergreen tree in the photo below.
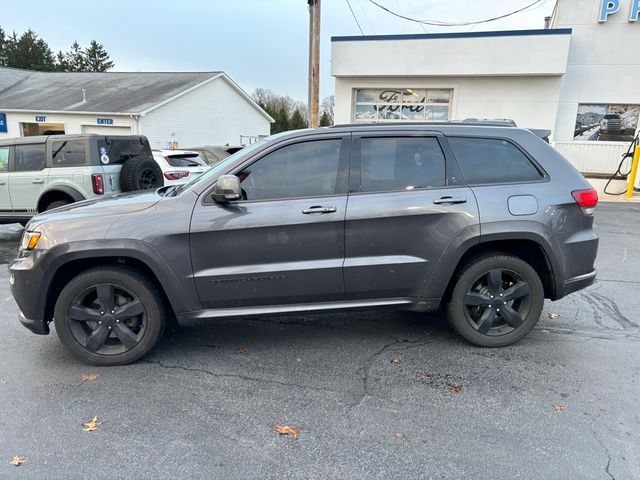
(281, 118)
(27, 51)
(1, 47)
(297, 121)
(95, 58)
(325, 119)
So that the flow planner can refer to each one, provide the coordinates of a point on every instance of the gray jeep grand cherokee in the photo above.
(487, 220)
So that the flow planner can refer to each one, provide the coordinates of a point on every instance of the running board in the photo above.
(299, 307)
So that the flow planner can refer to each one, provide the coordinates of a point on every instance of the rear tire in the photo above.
(140, 173)
(496, 301)
(110, 315)
(56, 204)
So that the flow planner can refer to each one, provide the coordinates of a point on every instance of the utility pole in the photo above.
(314, 63)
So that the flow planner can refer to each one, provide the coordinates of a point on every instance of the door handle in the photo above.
(319, 209)
(37, 180)
(450, 200)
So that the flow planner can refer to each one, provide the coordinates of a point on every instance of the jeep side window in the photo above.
(68, 153)
(306, 169)
(29, 158)
(492, 160)
(4, 159)
(401, 163)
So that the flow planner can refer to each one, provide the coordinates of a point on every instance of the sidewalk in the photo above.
(614, 186)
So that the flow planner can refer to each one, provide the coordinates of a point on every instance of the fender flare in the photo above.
(72, 192)
(179, 297)
(470, 237)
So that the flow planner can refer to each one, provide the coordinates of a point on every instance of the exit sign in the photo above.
(105, 121)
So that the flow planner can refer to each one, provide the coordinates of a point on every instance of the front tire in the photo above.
(110, 315)
(496, 301)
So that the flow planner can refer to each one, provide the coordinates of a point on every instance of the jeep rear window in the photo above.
(492, 160)
(121, 150)
(401, 163)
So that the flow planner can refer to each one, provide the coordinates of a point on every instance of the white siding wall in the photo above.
(530, 101)
(214, 114)
(500, 55)
(73, 123)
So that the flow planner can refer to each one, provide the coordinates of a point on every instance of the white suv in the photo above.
(44, 172)
(180, 166)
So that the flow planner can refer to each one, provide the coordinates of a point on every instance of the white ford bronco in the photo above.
(44, 172)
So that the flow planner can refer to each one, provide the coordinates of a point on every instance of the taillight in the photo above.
(176, 175)
(98, 183)
(586, 199)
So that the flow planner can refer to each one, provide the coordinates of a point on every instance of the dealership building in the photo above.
(579, 78)
(177, 109)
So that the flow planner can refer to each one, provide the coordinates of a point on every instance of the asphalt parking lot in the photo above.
(375, 395)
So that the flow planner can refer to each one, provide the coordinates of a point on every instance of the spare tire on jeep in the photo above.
(140, 173)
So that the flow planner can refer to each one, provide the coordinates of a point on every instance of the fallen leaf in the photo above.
(423, 377)
(455, 389)
(89, 377)
(17, 461)
(94, 424)
(240, 350)
(399, 435)
(2, 380)
(396, 361)
(558, 407)
(553, 315)
(286, 430)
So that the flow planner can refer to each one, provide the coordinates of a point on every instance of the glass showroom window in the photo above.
(402, 104)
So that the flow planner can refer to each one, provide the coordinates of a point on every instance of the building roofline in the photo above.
(71, 112)
(429, 36)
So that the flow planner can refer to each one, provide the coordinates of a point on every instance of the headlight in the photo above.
(29, 240)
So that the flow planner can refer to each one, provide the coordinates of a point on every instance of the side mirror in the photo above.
(227, 189)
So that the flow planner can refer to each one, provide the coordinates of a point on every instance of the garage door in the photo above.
(103, 130)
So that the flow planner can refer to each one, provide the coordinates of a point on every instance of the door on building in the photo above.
(104, 130)
(405, 206)
(5, 199)
(284, 242)
(28, 177)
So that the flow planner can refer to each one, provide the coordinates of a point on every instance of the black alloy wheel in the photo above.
(148, 179)
(107, 319)
(110, 315)
(497, 300)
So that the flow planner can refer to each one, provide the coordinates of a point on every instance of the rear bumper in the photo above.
(577, 283)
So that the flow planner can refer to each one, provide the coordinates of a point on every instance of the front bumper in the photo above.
(26, 288)
(36, 326)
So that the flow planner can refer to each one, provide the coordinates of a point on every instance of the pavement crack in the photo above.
(362, 390)
(238, 376)
(606, 452)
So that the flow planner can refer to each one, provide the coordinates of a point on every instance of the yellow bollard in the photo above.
(634, 170)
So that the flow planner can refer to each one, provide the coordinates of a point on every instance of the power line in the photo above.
(440, 23)
(366, 17)
(355, 18)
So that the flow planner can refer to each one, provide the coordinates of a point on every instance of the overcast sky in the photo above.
(259, 43)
